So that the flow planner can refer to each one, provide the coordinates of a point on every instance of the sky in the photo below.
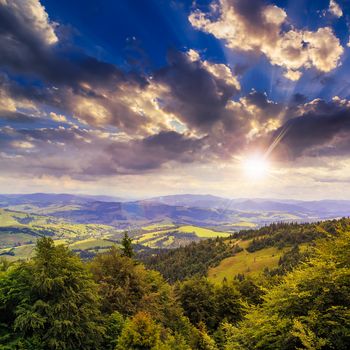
(143, 98)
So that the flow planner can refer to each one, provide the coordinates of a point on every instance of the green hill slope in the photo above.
(273, 249)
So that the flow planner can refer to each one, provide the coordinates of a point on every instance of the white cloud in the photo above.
(218, 70)
(22, 144)
(58, 117)
(292, 50)
(12, 104)
(335, 9)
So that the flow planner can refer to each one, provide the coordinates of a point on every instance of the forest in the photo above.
(114, 301)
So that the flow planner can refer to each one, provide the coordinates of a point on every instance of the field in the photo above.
(91, 243)
(172, 236)
(202, 232)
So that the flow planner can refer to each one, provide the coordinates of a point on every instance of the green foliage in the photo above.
(204, 341)
(127, 287)
(193, 259)
(206, 304)
(120, 282)
(289, 260)
(289, 234)
(229, 304)
(198, 299)
(249, 291)
(140, 332)
(127, 246)
(310, 309)
(114, 325)
(51, 301)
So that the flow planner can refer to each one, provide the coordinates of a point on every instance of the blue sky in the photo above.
(155, 97)
(115, 30)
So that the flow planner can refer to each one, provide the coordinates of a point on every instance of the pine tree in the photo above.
(127, 246)
(52, 302)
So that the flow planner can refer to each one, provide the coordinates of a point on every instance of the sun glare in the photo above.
(255, 167)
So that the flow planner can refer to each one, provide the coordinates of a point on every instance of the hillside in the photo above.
(273, 249)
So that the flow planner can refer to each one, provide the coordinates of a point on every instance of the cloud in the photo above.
(28, 20)
(334, 9)
(320, 129)
(58, 117)
(253, 26)
(85, 154)
(198, 91)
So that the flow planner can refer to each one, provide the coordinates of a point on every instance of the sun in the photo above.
(255, 167)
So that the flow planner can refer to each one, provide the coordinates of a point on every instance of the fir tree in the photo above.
(127, 246)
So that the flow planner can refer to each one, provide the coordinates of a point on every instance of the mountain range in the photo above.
(201, 210)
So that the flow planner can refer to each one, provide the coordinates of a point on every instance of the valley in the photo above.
(92, 224)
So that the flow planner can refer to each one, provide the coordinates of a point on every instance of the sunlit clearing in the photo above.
(255, 167)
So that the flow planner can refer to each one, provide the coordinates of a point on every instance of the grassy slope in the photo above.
(202, 232)
(161, 236)
(91, 243)
(246, 263)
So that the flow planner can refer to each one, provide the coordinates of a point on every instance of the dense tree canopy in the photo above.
(51, 302)
(309, 310)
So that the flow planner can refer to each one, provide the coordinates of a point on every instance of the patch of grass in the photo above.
(202, 232)
(91, 243)
(23, 252)
(148, 236)
(246, 263)
(10, 240)
(60, 241)
(168, 237)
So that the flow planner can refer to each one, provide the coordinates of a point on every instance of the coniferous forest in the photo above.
(57, 301)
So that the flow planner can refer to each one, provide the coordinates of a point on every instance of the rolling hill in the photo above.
(158, 223)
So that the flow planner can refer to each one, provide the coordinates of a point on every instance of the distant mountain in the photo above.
(142, 212)
(195, 200)
(314, 209)
(45, 199)
(327, 207)
(200, 210)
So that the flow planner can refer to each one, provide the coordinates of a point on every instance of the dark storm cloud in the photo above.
(52, 151)
(323, 129)
(198, 97)
(267, 109)
(250, 11)
(154, 151)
